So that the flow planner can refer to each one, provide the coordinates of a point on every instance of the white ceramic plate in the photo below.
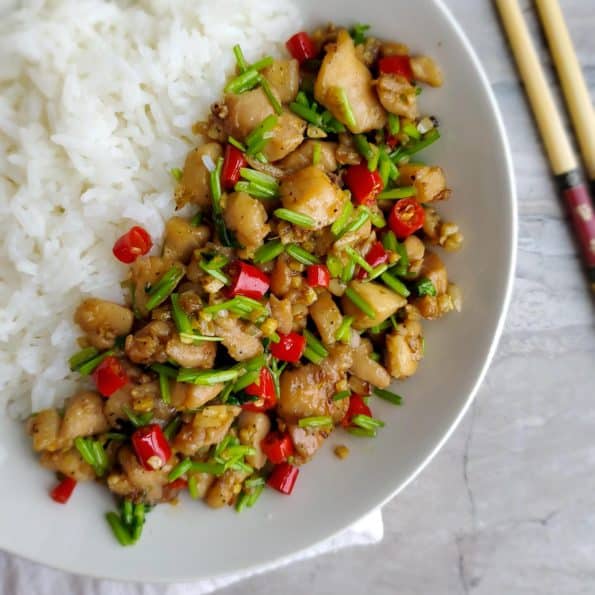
(191, 542)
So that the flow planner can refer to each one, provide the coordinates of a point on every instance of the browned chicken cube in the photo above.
(383, 301)
(397, 95)
(303, 157)
(194, 186)
(182, 238)
(284, 77)
(103, 321)
(247, 218)
(429, 181)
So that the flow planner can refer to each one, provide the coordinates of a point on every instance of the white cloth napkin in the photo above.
(21, 577)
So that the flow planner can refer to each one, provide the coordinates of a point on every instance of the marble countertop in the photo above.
(507, 507)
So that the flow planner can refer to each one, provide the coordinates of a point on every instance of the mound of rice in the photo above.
(97, 100)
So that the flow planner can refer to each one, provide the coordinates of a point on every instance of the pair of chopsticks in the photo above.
(563, 160)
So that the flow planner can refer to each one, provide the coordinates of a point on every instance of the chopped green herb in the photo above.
(298, 253)
(164, 287)
(168, 371)
(180, 469)
(312, 356)
(196, 220)
(389, 396)
(363, 147)
(214, 269)
(315, 344)
(89, 366)
(172, 427)
(180, 317)
(402, 265)
(395, 284)
(269, 251)
(343, 101)
(348, 271)
(82, 356)
(164, 388)
(193, 487)
(341, 222)
(341, 395)
(334, 265)
(243, 82)
(389, 241)
(262, 63)
(320, 421)
(266, 87)
(258, 138)
(429, 138)
(127, 511)
(410, 129)
(394, 124)
(176, 173)
(138, 420)
(224, 234)
(360, 302)
(366, 422)
(358, 33)
(398, 193)
(358, 259)
(362, 216)
(316, 153)
(211, 468)
(424, 286)
(343, 333)
(118, 529)
(362, 432)
(236, 143)
(206, 377)
(296, 218)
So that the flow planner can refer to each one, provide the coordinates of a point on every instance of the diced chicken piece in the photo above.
(392, 48)
(286, 136)
(425, 70)
(429, 181)
(194, 186)
(191, 355)
(366, 368)
(415, 249)
(103, 321)
(281, 276)
(284, 77)
(346, 153)
(241, 339)
(352, 239)
(306, 442)
(383, 301)
(44, 429)
(186, 397)
(404, 349)
(303, 157)
(397, 95)
(145, 272)
(83, 416)
(247, 218)
(136, 482)
(182, 238)
(341, 68)
(68, 462)
(368, 51)
(308, 391)
(225, 489)
(208, 426)
(245, 112)
(148, 345)
(326, 316)
(203, 482)
(433, 268)
(281, 312)
(252, 428)
(310, 192)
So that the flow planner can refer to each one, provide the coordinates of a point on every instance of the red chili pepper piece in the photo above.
(406, 217)
(356, 407)
(151, 447)
(301, 47)
(277, 447)
(391, 141)
(400, 65)
(234, 161)
(375, 257)
(62, 492)
(264, 389)
(247, 280)
(289, 348)
(109, 376)
(363, 183)
(177, 484)
(283, 478)
(134, 243)
(318, 275)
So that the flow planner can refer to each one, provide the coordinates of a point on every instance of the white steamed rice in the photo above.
(97, 100)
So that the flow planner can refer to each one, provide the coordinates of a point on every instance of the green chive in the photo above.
(306, 113)
(402, 265)
(411, 130)
(358, 259)
(83, 445)
(254, 482)
(315, 344)
(384, 168)
(377, 272)
(241, 61)
(374, 160)
(172, 428)
(268, 252)
(266, 87)
(258, 138)
(82, 356)
(167, 371)
(346, 110)
(101, 462)
(164, 388)
(180, 317)
(314, 357)
(89, 366)
(119, 530)
(429, 138)
(341, 395)
(243, 82)
(316, 153)
(255, 495)
(241, 502)
(214, 272)
(394, 124)
(362, 216)
(211, 468)
(180, 469)
(363, 147)
(296, 218)
(116, 436)
(239, 450)
(366, 422)
(298, 253)
(224, 234)
(389, 396)
(232, 305)
(358, 33)
(334, 265)
(343, 333)
(255, 189)
(394, 284)
(377, 218)
(196, 220)
(389, 241)
(363, 433)
(239, 466)
(397, 193)
(379, 328)
(206, 377)
(164, 287)
(193, 487)
(176, 173)
(138, 420)
(424, 286)
(126, 514)
(330, 124)
(315, 422)
(246, 380)
(359, 301)
(302, 99)
(196, 339)
(348, 271)
(339, 225)
(261, 178)
(139, 521)
(262, 63)
(236, 143)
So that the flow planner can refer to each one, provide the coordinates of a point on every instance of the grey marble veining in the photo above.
(508, 506)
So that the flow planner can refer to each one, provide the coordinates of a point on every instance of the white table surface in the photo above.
(508, 507)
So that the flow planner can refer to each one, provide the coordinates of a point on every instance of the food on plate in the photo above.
(277, 311)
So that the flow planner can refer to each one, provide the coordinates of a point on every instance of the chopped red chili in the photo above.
(264, 389)
(375, 257)
(151, 447)
(363, 183)
(290, 347)
(134, 243)
(400, 65)
(301, 47)
(109, 376)
(406, 217)
(232, 164)
(247, 280)
(277, 447)
(356, 407)
(318, 275)
(62, 492)
(283, 478)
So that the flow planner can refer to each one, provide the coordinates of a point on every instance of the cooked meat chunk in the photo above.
(326, 316)
(182, 238)
(310, 192)
(281, 276)
(433, 269)
(103, 321)
(284, 77)
(425, 70)
(208, 426)
(44, 429)
(186, 397)
(366, 368)
(397, 95)
(68, 462)
(247, 218)
(384, 302)
(303, 157)
(144, 273)
(245, 112)
(252, 428)
(306, 442)
(148, 345)
(286, 137)
(241, 339)
(404, 349)
(429, 181)
(281, 312)
(308, 391)
(341, 68)
(83, 416)
(194, 186)
(225, 489)
(415, 249)
(191, 355)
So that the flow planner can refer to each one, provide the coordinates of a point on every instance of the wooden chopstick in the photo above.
(555, 138)
(572, 80)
